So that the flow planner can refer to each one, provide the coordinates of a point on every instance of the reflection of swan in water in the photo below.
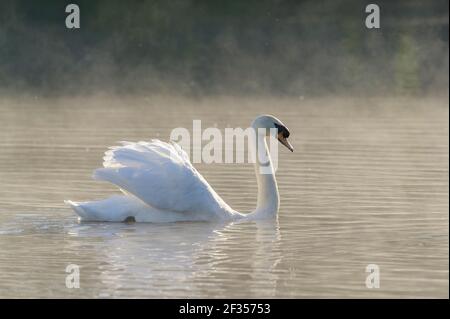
(242, 260)
(181, 259)
(161, 185)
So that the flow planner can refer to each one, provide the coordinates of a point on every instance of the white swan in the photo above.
(161, 185)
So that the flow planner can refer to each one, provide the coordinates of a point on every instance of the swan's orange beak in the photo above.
(283, 140)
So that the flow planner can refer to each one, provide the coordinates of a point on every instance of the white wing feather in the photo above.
(161, 175)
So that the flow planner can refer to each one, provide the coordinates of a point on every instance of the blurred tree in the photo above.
(239, 47)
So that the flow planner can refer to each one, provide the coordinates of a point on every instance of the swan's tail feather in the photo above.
(116, 208)
(77, 209)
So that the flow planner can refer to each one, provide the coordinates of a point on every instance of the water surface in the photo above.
(367, 183)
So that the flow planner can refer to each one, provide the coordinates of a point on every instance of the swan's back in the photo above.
(161, 175)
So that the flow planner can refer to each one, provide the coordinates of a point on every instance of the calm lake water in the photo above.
(367, 184)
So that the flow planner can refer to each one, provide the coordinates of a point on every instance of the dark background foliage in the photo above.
(224, 47)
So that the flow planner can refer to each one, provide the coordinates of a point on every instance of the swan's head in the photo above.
(269, 122)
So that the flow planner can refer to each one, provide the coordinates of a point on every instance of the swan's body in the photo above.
(161, 185)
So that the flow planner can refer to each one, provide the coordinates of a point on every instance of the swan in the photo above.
(160, 184)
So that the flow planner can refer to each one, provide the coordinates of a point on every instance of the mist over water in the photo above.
(367, 183)
(367, 111)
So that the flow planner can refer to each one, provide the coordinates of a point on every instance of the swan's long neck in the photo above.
(268, 198)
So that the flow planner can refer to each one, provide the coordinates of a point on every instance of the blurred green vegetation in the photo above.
(224, 47)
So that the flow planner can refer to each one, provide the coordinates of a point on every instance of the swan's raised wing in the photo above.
(161, 175)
